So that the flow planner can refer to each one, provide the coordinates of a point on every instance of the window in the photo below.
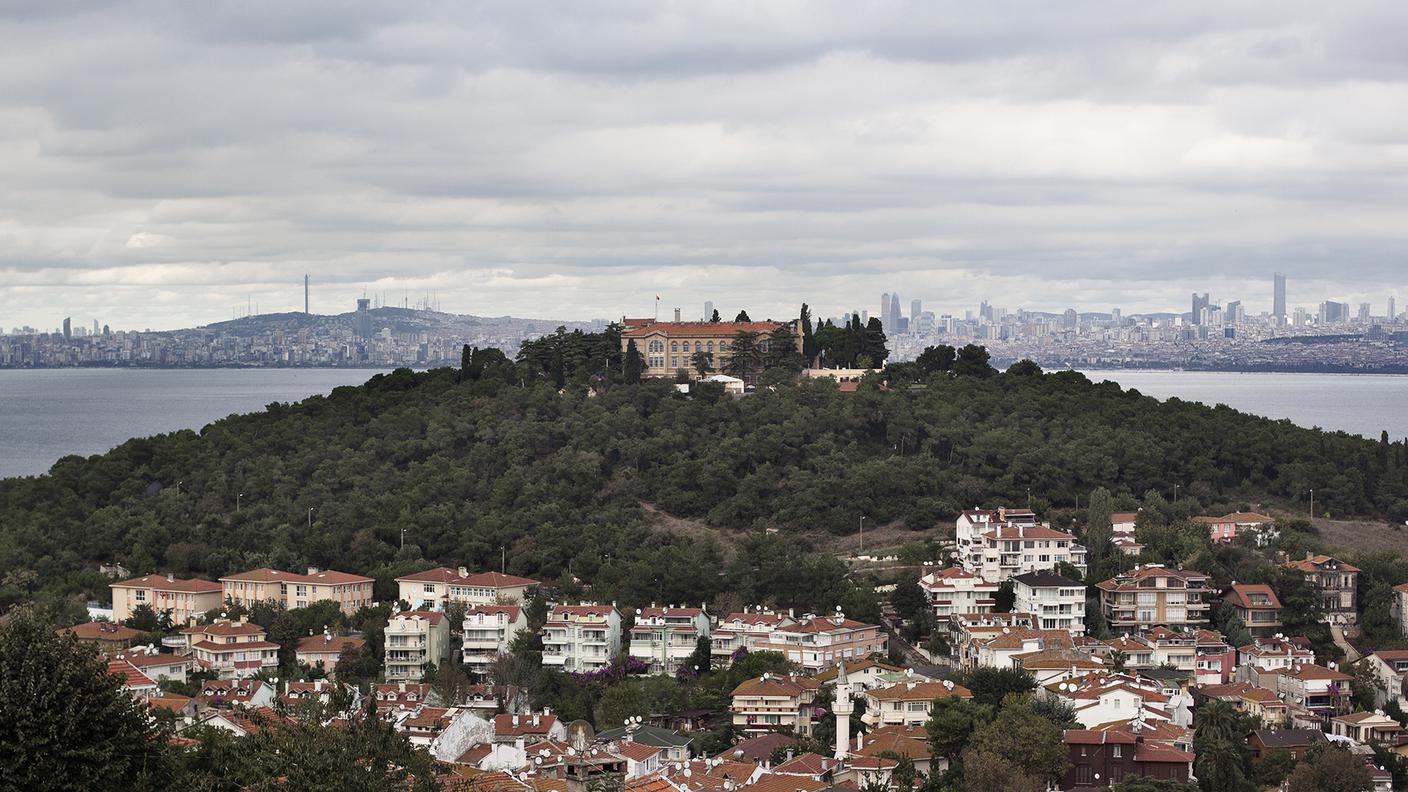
(711, 346)
(674, 346)
(428, 588)
(141, 595)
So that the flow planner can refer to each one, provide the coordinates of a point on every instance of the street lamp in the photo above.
(1175, 492)
(862, 534)
(1312, 504)
(237, 501)
(310, 516)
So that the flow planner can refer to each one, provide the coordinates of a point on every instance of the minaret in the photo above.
(843, 706)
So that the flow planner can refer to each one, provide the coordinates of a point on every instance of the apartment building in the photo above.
(1324, 691)
(582, 637)
(1367, 728)
(233, 649)
(487, 632)
(293, 590)
(433, 588)
(108, 637)
(1215, 659)
(414, 641)
(954, 590)
(816, 642)
(1152, 595)
(773, 702)
(1256, 605)
(1157, 648)
(997, 544)
(184, 599)
(1390, 671)
(1274, 652)
(745, 630)
(908, 703)
(1337, 582)
(1122, 534)
(668, 347)
(665, 638)
(1057, 602)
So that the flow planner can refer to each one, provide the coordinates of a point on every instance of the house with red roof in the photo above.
(134, 682)
(1100, 758)
(488, 631)
(1337, 582)
(1390, 670)
(1227, 527)
(664, 638)
(108, 637)
(1257, 606)
(582, 637)
(774, 702)
(322, 650)
(744, 630)
(953, 590)
(156, 664)
(185, 599)
(232, 649)
(908, 703)
(667, 347)
(815, 642)
(1153, 594)
(235, 693)
(291, 590)
(431, 589)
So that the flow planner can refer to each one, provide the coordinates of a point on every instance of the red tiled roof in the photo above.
(699, 329)
(132, 677)
(233, 647)
(225, 629)
(774, 686)
(1239, 594)
(434, 617)
(809, 764)
(100, 631)
(505, 727)
(164, 583)
(1312, 563)
(511, 611)
(920, 691)
(327, 577)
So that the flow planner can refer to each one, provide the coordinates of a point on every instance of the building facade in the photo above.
(1337, 582)
(294, 590)
(1256, 605)
(184, 599)
(666, 638)
(415, 640)
(232, 649)
(1057, 603)
(488, 632)
(582, 637)
(668, 347)
(774, 703)
(433, 588)
(955, 590)
(815, 643)
(996, 544)
(1152, 595)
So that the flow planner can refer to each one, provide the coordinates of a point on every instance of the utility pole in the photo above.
(503, 559)
(237, 502)
(1175, 493)
(403, 538)
(862, 534)
(1312, 504)
(310, 516)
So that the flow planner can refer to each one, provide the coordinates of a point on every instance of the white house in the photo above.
(488, 630)
(996, 544)
(583, 637)
(953, 590)
(432, 588)
(414, 641)
(665, 638)
(1057, 602)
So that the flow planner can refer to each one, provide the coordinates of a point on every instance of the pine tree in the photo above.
(742, 317)
(745, 359)
(809, 347)
(634, 365)
(715, 318)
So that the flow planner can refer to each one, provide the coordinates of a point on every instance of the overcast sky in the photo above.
(164, 163)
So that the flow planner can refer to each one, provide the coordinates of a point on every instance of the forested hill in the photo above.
(468, 469)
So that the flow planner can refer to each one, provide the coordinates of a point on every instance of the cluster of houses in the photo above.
(1134, 695)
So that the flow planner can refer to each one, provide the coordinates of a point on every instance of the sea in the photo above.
(46, 414)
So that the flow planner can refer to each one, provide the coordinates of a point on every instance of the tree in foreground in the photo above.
(1019, 750)
(1147, 784)
(1329, 768)
(745, 357)
(634, 363)
(65, 722)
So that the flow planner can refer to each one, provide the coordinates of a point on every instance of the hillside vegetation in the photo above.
(499, 463)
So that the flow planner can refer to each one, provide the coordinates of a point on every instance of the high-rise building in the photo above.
(1332, 312)
(708, 310)
(1116, 316)
(1364, 312)
(1232, 313)
(364, 318)
(892, 319)
(1392, 315)
(97, 330)
(884, 310)
(1200, 304)
(916, 308)
(68, 327)
(1278, 298)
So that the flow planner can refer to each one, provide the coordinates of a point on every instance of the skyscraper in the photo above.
(892, 319)
(364, 319)
(884, 310)
(68, 327)
(916, 307)
(1200, 302)
(1391, 310)
(1278, 298)
(708, 310)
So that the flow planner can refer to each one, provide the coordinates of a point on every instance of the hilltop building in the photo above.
(668, 347)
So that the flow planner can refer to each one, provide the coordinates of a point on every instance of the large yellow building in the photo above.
(668, 347)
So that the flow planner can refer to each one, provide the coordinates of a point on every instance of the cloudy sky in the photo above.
(163, 164)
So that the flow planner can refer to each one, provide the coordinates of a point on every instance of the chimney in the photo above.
(677, 314)
(169, 578)
(515, 720)
(464, 572)
(313, 570)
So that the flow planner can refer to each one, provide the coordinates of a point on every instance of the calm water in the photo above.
(48, 413)
(1365, 404)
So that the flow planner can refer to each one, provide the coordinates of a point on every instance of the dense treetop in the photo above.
(550, 463)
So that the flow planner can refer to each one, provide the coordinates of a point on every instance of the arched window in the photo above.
(674, 347)
(711, 346)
